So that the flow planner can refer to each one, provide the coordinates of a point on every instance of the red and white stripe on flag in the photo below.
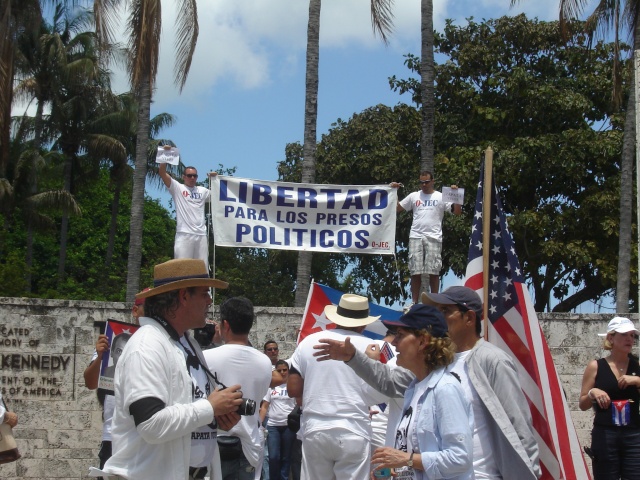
(314, 319)
(514, 327)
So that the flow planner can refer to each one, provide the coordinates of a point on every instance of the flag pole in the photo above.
(486, 234)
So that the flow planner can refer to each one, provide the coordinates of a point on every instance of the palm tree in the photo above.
(381, 20)
(617, 16)
(121, 124)
(145, 23)
(16, 16)
(427, 79)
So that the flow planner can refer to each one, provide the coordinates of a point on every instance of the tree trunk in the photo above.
(137, 196)
(626, 195)
(310, 125)
(33, 186)
(64, 227)
(115, 206)
(427, 76)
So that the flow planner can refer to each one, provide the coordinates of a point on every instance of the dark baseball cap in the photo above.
(462, 296)
(421, 317)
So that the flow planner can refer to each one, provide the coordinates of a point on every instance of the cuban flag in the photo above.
(620, 412)
(314, 320)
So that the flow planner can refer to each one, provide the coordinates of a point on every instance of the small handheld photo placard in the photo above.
(453, 195)
(118, 334)
(168, 154)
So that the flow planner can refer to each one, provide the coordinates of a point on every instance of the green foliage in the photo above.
(544, 106)
(87, 277)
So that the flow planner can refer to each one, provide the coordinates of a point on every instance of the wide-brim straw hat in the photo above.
(352, 311)
(180, 273)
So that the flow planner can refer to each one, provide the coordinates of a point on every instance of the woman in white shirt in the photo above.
(279, 438)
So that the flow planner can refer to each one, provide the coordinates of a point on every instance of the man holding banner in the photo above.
(189, 200)
(425, 238)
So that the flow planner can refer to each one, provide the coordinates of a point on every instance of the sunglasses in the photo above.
(191, 175)
(422, 182)
(272, 349)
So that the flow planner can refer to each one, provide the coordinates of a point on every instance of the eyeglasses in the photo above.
(191, 175)
(422, 182)
(272, 349)
(282, 370)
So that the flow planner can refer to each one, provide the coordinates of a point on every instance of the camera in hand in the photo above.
(247, 407)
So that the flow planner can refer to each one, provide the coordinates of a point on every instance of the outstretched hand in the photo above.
(329, 349)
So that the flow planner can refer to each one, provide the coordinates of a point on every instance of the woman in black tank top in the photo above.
(610, 386)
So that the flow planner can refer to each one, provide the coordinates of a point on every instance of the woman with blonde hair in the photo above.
(434, 435)
(610, 385)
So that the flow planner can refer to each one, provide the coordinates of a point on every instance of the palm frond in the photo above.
(382, 18)
(6, 191)
(105, 146)
(145, 23)
(186, 38)
(59, 200)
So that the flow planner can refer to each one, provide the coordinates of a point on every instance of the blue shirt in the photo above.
(443, 429)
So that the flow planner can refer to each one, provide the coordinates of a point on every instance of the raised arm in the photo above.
(166, 178)
(92, 372)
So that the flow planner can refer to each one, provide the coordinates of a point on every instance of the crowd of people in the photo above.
(448, 405)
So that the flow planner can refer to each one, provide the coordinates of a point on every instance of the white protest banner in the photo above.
(168, 154)
(296, 216)
(453, 195)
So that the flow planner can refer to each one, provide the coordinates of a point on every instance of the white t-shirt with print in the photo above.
(405, 434)
(203, 440)
(280, 405)
(428, 212)
(189, 203)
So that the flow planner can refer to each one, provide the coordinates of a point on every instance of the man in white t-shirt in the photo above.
(189, 200)
(335, 401)
(425, 237)
(238, 362)
(157, 403)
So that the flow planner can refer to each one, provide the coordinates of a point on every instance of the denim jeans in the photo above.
(237, 469)
(616, 452)
(279, 442)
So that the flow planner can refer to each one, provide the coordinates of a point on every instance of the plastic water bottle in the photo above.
(383, 473)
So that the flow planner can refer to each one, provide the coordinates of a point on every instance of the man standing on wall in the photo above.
(160, 400)
(425, 237)
(189, 200)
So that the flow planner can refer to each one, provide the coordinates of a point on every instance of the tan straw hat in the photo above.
(180, 273)
(352, 311)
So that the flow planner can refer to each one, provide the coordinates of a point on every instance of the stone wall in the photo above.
(45, 346)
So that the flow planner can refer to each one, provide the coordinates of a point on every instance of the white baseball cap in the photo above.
(620, 325)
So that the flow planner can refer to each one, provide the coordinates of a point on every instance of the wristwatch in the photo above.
(410, 461)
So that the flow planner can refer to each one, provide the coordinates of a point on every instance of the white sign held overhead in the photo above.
(297, 216)
(168, 154)
(453, 195)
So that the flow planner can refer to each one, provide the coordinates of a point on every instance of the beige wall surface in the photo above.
(45, 346)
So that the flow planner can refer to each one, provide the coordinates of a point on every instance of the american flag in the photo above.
(513, 326)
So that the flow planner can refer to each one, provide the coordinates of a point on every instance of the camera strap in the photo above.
(212, 376)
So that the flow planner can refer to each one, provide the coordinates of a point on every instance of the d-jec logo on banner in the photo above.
(296, 216)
